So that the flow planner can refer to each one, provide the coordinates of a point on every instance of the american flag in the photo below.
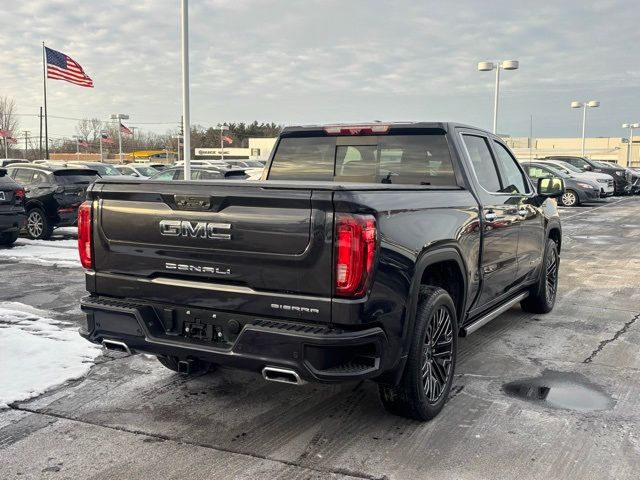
(63, 67)
(4, 133)
(227, 139)
(105, 137)
(124, 129)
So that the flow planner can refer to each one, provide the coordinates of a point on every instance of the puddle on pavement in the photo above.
(569, 391)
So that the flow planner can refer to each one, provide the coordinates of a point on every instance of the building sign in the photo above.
(216, 152)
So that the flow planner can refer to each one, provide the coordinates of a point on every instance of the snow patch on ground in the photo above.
(58, 253)
(38, 353)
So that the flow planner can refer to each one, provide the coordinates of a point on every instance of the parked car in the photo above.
(103, 169)
(622, 184)
(605, 182)
(245, 163)
(201, 173)
(203, 163)
(5, 162)
(363, 255)
(576, 191)
(139, 170)
(11, 208)
(52, 195)
(631, 174)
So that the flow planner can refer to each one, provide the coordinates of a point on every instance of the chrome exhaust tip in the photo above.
(116, 346)
(282, 375)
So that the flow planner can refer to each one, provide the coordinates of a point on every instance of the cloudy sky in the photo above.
(311, 61)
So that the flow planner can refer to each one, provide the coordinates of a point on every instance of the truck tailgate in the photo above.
(239, 236)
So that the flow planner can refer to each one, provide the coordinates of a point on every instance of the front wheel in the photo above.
(38, 225)
(8, 238)
(569, 199)
(428, 374)
(542, 296)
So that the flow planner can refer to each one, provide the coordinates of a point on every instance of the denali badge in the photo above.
(185, 228)
(293, 308)
(185, 267)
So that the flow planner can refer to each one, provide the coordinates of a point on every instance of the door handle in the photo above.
(490, 215)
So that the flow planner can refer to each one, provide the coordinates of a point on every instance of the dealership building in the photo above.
(610, 149)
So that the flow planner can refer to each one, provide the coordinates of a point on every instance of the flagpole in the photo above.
(185, 90)
(44, 78)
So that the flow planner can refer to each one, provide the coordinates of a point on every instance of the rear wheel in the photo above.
(428, 374)
(542, 297)
(173, 363)
(38, 225)
(8, 238)
(570, 199)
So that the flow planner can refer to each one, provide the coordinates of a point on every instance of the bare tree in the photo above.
(89, 129)
(8, 119)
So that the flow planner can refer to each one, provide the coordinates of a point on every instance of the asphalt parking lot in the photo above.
(535, 396)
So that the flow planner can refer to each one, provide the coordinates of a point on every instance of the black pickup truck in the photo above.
(363, 253)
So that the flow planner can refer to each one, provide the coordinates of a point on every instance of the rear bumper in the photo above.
(11, 221)
(315, 352)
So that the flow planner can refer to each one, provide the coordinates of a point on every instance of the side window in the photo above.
(513, 179)
(23, 176)
(537, 172)
(209, 175)
(482, 162)
(39, 178)
(166, 176)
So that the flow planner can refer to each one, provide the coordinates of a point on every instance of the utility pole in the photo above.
(26, 139)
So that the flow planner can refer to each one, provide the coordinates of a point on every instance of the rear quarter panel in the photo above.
(410, 225)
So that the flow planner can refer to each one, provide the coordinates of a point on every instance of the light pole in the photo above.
(77, 139)
(118, 117)
(584, 106)
(222, 129)
(630, 126)
(487, 67)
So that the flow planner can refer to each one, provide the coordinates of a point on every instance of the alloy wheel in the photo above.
(437, 354)
(35, 224)
(569, 199)
(552, 275)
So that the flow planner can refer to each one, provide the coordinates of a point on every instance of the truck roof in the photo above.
(443, 126)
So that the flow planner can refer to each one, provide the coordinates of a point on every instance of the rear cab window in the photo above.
(403, 159)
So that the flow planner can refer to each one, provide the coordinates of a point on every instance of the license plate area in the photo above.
(199, 326)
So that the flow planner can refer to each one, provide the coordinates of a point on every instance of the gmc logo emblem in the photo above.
(185, 228)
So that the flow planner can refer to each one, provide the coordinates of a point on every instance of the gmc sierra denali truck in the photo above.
(362, 253)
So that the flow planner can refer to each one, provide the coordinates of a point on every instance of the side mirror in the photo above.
(134, 174)
(588, 168)
(550, 187)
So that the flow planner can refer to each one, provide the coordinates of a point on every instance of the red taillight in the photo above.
(355, 248)
(367, 129)
(19, 194)
(84, 234)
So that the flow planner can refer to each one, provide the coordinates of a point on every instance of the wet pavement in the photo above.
(535, 396)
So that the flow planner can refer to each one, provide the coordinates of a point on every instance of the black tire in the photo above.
(432, 354)
(172, 364)
(8, 238)
(542, 296)
(38, 225)
(570, 199)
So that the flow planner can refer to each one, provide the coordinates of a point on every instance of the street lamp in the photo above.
(584, 106)
(119, 117)
(630, 126)
(222, 129)
(487, 67)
